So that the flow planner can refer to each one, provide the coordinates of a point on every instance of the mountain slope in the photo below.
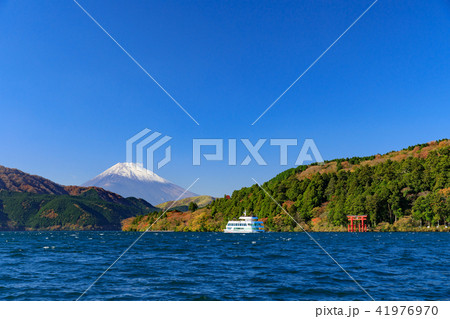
(129, 179)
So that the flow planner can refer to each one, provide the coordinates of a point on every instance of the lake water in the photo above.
(217, 266)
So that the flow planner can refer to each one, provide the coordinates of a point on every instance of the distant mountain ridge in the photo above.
(15, 180)
(182, 204)
(130, 179)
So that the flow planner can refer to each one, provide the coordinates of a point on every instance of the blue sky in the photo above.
(69, 97)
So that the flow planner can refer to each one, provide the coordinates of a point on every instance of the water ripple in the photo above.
(216, 266)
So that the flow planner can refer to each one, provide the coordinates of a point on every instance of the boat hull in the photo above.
(242, 231)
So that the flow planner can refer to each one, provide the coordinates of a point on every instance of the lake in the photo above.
(217, 266)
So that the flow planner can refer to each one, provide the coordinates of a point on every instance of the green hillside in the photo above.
(89, 210)
(414, 182)
(401, 190)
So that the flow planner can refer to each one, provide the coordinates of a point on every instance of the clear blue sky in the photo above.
(69, 97)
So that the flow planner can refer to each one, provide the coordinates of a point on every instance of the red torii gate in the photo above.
(358, 219)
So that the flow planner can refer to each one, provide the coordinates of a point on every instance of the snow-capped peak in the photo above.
(133, 171)
(133, 180)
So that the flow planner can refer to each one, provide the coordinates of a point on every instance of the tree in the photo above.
(192, 206)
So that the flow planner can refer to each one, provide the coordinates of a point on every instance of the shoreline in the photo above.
(426, 230)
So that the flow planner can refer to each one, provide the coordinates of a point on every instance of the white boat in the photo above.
(245, 224)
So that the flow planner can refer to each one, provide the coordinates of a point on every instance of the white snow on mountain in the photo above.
(133, 180)
(133, 171)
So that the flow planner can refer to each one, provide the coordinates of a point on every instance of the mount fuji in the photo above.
(133, 180)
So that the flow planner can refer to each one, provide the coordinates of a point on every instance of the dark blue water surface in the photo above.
(217, 266)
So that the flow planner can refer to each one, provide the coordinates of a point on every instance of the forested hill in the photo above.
(402, 190)
(412, 182)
